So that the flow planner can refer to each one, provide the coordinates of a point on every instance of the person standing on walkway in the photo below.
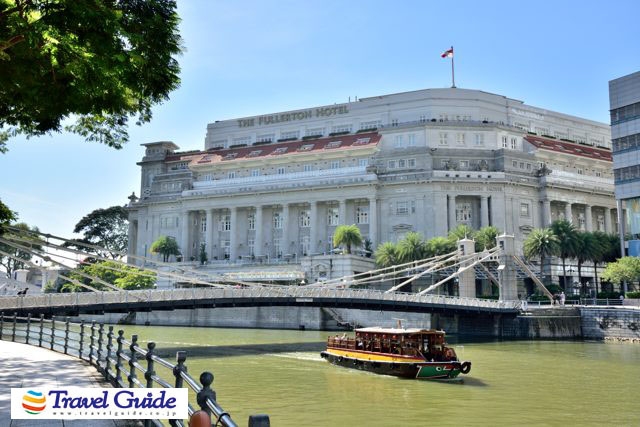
(562, 298)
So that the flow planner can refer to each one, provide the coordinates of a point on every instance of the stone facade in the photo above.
(272, 188)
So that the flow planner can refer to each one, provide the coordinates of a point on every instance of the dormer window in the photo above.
(279, 150)
(306, 147)
(254, 153)
(362, 141)
(230, 156)
(333, 144)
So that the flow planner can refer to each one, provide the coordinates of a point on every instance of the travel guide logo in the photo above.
(99, 403)
(34, 402)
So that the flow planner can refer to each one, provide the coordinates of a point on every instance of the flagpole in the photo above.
(453, 76)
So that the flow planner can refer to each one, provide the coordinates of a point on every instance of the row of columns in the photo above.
(259, 217)
(568, 214)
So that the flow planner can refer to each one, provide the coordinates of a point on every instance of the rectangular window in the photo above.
(252, 244)
(335, 164)
(370, 125)
(479, 139)
(412, 204)
(363, 162)
(281, 170)
(333, 144)
(308, 168)
(504, 142)
(269, 137)
(443, 138)
(333, 216)
(391, 164)
(203, 224)
(225, 223)
(245, 140)
(402, 208)
(277, 247)
(278, 220)
(362, 215)
(341, 129)
(305, 244)
(294, 134)
(305, 218)
(524, 209)
(402, 163)
(315, 132)
(398, 141)
(514, 143)
(423, 118)
(226, 248)
(251, 221)
(515, 164)
(460, 139)
(279, 150)
(580, 171)
(411, 140)
(463, 212)
(306, 147)
(411, 163)
(231, 175)
(255, 172)
(394, 122)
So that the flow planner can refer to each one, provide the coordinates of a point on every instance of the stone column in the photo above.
(257, 244)
(546, 213)
(452, 212)
(484, 211)
(467, 279)
(373, 221)
(286, 244)
(233, 234)
(588, 218)
(313, 231)
(567, 212)
(342, 212)
(208, 236)
(607, 221)
(184, 243)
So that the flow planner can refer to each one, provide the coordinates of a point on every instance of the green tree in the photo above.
(411, 247)
(626, 269)
(123, 276)
(166, 246)
(203, 254)
(486, 238)
(19, 257)
(566, 234)
(588, 248)
(100, 62)
(440, 246)
(347, 236)
(604, 255)
(386, 255)
(6, 216)
(105, 228)
(541, 243)
(462, 231)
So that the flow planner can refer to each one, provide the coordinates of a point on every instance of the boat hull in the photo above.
(405, 367)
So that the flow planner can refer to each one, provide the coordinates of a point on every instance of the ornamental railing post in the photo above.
(118, 377)
(53, 331)
(81, 339)
(28, 328)
(148, 375)
(13, 329)
(92, 341)
(41, 327)
(207, 393)
(66, 335)
(132, 361)
(178, 369)
(99, 351)
(107, 364)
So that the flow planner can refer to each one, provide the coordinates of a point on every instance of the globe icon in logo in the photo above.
(34, 402)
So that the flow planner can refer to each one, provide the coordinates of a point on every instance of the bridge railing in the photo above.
(24, 303)
(120, 361)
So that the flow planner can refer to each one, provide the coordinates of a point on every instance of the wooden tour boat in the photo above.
(408, 353)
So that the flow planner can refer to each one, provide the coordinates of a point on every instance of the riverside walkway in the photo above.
(28, 366)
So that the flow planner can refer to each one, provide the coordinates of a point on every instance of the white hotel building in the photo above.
(272, 188)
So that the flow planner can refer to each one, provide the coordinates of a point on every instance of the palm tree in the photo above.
(588, 247)
(486, 238)
(440, 246)
(347, 235)
(566, 234)
(462, 231)
(605, 252)
(387, 255)
(541, 243)
(411, 248)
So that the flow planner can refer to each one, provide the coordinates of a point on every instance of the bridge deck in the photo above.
(95, 302)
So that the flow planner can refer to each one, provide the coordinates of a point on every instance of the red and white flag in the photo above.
(447, 53)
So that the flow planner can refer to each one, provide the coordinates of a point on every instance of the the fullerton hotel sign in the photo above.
(296, 115)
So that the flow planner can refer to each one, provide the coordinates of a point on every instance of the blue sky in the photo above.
(246, 58)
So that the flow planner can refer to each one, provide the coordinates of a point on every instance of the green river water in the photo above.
(280, 373)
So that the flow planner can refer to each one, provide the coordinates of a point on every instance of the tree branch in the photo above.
(11, 42)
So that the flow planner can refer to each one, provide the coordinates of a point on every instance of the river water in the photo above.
(280, 373)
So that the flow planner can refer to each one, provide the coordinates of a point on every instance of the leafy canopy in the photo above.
(123, 276)
(347, 236)
(626, 269)
(19, 257)
(165, 246)
(107, 228)
(102, 62)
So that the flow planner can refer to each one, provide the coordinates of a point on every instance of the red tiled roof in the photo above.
(342, 142)
(569, 148)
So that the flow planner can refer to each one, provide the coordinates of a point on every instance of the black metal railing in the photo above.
(121, 367)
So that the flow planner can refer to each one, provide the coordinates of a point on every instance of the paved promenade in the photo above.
(24, 365)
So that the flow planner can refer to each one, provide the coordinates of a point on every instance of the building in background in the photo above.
(271, 189)
(624, 101)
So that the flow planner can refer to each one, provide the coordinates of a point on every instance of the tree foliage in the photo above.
(541, 243)
(566, 233)
(102, 62)
(19, 257)
(347, 236)
(123, 276)
(386, 255)
(106, 228)
(412, 247)
(625, 269)
(6, 216)
(165, 246)
(486, 238)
